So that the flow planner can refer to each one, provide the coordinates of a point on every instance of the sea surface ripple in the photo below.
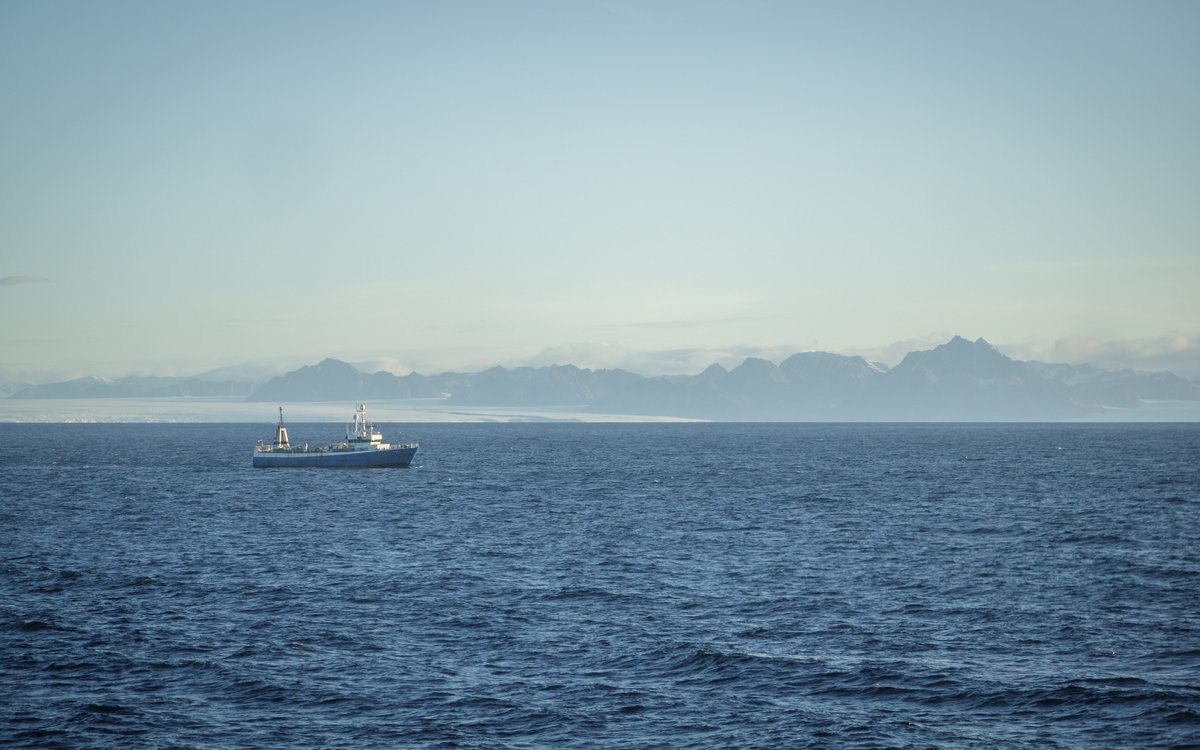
(604, 586)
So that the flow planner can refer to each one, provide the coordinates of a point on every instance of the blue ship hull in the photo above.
(393, 457)
(362, 448)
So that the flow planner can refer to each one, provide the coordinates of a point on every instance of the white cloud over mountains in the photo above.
(1177, 352)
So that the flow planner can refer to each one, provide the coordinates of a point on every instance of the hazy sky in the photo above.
(457, 184)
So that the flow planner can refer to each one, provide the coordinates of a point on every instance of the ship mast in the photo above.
(281, 438)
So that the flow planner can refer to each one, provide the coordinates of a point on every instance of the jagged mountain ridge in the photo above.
(1120, 387)
(803, 387)
(333, 380)
(555, 385)
(963, 380)
(959, 380)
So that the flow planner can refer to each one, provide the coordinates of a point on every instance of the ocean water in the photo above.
(603, 586)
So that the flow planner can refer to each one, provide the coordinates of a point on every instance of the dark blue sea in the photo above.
(603, 586)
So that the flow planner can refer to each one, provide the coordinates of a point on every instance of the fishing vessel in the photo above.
(363, 447)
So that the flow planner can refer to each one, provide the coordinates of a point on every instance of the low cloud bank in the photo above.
(14, 280)
(1178, 353)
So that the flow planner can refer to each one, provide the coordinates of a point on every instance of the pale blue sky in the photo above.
(452, 185)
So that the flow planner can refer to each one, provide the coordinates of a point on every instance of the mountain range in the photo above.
(960, 380)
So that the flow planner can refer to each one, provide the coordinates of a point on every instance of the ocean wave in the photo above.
(632, 587)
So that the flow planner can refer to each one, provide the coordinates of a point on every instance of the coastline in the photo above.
(209, 410)
(216, 410)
